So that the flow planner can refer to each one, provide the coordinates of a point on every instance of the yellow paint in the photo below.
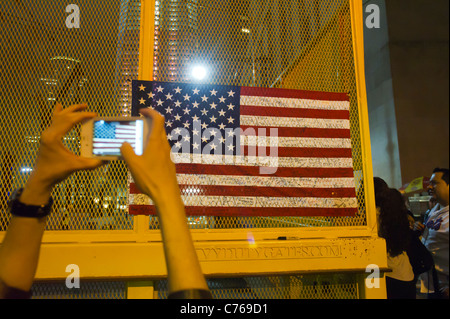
(140, 290)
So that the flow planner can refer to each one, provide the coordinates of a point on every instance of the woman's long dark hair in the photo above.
(393, 221)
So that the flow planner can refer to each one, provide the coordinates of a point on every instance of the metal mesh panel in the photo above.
(271, 287)
(278, 287)
(87, 290)
(43, 61)
(297, 44)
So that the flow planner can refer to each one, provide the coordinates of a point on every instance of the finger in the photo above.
(158, 121)
(157, 118)
(58, 108)
(82, 116)
(75, 108)
(66, 124)
(127, 153)
(89, 163)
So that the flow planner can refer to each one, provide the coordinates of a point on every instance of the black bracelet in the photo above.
(17, 208)
(191, 294)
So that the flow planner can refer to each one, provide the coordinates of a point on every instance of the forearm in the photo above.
(155, 175)
(183, 267)
(19, 252)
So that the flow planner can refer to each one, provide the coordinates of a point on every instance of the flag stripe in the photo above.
(281, 141)
(294, 94)
(116, 143)
(293, 122)
(284, 102)
(297, 132)
(296, 151)
(249, 201)
(249, 211)
(211, 190)
(291, 112)
(254, 171)
(264, 181)
(263, 161)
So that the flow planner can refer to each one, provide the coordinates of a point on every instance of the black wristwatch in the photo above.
(20, 209)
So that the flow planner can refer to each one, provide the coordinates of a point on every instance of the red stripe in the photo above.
(212, 190)
(249, 211)
(296, 152)
(134, 189)
(296, 132)
(288, 93)
(255, 171)
(105, 147)
(293, 112)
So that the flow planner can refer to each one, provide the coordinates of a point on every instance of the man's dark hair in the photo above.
(444, 172)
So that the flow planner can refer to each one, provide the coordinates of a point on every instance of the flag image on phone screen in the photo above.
(108, 136)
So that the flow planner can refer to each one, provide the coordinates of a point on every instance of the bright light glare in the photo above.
(199, 72)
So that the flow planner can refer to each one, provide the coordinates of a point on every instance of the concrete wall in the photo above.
(419, 54)
(380, 97)
(407, 79)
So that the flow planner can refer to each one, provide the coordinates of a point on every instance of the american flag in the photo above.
(109, 136)
(243, 151)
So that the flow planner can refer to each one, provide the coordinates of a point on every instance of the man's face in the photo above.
(438, 188)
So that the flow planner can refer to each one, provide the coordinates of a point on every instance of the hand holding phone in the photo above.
(55, 162)
(154, 171)
(102, 137)
(155, 175)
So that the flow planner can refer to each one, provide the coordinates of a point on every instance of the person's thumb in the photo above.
(127, 152)
(91, 163)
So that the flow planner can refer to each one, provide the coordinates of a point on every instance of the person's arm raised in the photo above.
(154, 174)
(19, 251)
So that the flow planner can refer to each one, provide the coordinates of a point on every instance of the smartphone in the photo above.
(102, 137)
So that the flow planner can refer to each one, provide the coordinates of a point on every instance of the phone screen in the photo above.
(108, 136)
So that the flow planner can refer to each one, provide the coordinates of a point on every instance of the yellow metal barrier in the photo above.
(308, 45)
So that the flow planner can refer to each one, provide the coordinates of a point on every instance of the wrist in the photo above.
(169, 195)
(36, 192)
(28, 208)
(170, 205)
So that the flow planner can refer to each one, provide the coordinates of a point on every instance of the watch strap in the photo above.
(17, 208)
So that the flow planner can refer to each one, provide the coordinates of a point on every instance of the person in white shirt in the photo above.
(435, 236)
(393, 226)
